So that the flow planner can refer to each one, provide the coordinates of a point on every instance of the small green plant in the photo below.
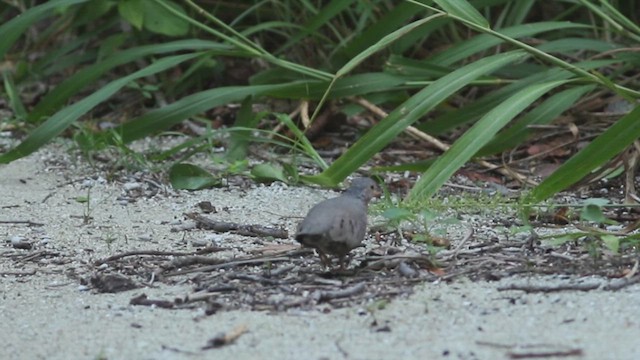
(592, 233)
(86, 215)
(109, 239)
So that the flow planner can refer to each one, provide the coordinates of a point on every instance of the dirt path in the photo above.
(50, 312)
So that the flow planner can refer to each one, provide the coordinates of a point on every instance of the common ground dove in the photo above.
(335, 226)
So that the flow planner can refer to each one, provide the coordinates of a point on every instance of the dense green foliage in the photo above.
(526, 62)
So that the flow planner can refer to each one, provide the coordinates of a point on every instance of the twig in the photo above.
(321, 296)
(191, 260)
(206, 250)
(455, 252)
(256, 278)
(39, 253)
(229, 264)
(548, 289)
(28, 222)
(246, 230)
(226, 339)
(143, 300)
(544, 354)
(618, 284)
(17, 273)
(414, 132)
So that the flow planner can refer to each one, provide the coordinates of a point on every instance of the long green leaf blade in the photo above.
(14, 28)
(463, 10)
(58, 96)
(603, 148)
(408, 113)
(475, 138)
(57, 123)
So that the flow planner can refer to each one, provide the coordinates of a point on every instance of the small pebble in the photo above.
(16, 239)
(199, 243)
(145, 237)
(132, 186)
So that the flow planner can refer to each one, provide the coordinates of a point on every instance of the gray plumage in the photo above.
(336, 226)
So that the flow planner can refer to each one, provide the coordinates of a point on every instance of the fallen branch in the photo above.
(228, 264)
(545, 354)
(246, 230)
(143, 300)
(17, 273)
(226, 339)
(321, 296)
(548, 288)
(618, 284)
(206, 250)
(28, 222)
(420, 135)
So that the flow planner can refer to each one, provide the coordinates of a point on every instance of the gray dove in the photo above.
(336, 226)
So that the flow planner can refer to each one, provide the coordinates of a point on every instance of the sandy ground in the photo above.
(50, 315)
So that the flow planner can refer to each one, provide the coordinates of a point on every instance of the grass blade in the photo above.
(475, 138)
(14, 28)
(59, 96)
(603, 148)
(57, 123)
(463, 10)
(408, 113)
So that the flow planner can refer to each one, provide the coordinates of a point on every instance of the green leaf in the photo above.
(395, 214)
(463, 10)
(544, 113)
(322, 17)
(381, 44)
(268, 173)
(593, 212)
(473, 111)
(464, 49)
(241, 133)
(612, 242)
(57, 123)
(475, 138)
(191, 177)
(14, 28)
(392, 19)
(408, 113)
(132, 11)
(160, 20)
(602, 149)
(72, 85)
(14, 97)
(563, 239)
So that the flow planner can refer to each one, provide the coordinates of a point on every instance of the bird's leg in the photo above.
(341, 260)
(326, 262)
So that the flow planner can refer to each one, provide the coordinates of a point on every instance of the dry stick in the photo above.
(548, 289)
(545, 354)
(337, 294)
(631, 164)
(39, 253)
(621, 283)
(206, 250)
(414, 132)
(226, 339)
(191, 260)
(143, 300)
(246, 230)
(17, 273)
(28, 222)
(228, 264)
(392, 261)
(455, 252)
(292, 115)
